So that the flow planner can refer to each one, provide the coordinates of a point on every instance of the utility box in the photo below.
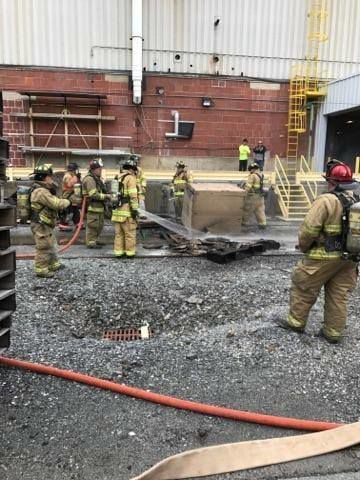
(213, 207)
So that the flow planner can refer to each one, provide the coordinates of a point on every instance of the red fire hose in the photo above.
(27, 256)
(251, 417)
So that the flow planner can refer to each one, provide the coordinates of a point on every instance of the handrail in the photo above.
(285, 184)
(307, 169)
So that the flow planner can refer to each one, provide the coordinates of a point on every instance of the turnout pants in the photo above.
(94, 226)
(179, 201)
(338, 277)
(46, 256)
(125, 238)
(254, 205)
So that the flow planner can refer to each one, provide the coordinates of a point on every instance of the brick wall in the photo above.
(255, 110)
(14, 128)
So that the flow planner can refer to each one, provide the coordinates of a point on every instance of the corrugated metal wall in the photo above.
(342, 95)
(256, 38)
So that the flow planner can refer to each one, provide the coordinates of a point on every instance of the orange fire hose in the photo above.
(251, 417)
(29, 256)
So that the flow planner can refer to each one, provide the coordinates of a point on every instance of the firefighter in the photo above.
(126, 212)
(180, 181)
(45, 206)
(94, 189)
(140, 181)
(71, 178)
(254, 201)
(324, 265)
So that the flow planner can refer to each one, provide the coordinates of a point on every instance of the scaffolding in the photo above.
(66, 129)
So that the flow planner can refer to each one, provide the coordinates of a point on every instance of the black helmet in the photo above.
(180, 164)
(129, 165)
(253, 166)
(96, 163)
(72, 167)
(134, 158)
(43, 170)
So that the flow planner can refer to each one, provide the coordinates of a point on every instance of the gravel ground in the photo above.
(214, 341)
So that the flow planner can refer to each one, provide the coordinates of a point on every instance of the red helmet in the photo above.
(339, 172)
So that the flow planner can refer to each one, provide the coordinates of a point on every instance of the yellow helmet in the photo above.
(44, 169)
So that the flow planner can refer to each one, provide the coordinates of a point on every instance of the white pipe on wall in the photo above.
(174, 134)
(137, 40)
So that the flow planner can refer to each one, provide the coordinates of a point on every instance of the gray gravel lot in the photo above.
(215, 342)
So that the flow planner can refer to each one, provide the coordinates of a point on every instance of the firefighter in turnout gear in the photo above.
(95, 191)
(45, 206)
(254, 201)
(180, 181)
(70, 179)
(126, 212)
(325, 263)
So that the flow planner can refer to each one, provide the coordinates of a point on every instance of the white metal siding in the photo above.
(256, 38)
(342, 95)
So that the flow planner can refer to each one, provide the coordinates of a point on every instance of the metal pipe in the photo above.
(311, 134)
(174, 134)
(137, 40)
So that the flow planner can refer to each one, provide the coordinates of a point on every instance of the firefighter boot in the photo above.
(283, 323)
(329, 339)
(45, 274)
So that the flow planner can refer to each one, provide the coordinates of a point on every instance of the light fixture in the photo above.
(207, 102)
(160, 90)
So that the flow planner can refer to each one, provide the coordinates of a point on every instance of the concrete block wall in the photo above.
(241, 108)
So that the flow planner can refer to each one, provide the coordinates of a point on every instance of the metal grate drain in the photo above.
(128, 334)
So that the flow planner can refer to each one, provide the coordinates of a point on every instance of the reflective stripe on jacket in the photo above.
(180, 182)
(45, 205)
(322, 223)
(94, 188)
(129, 190)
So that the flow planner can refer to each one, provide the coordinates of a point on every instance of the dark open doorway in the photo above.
(343, 137)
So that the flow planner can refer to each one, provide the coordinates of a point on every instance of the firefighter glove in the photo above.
(135, 214)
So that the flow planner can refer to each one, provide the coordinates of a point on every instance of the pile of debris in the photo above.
(218, 249)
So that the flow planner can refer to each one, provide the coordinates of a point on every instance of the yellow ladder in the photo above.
(305, 83)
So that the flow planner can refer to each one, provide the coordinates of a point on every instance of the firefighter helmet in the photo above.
(129, 165)
(134, 158)
(253, 166)
(337, 171)
(180, 164)
(72, 167)
(44, 170)
(96, 163)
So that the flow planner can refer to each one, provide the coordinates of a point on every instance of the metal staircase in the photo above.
(298, 204)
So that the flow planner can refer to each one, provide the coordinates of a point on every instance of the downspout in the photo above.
(137, 40)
